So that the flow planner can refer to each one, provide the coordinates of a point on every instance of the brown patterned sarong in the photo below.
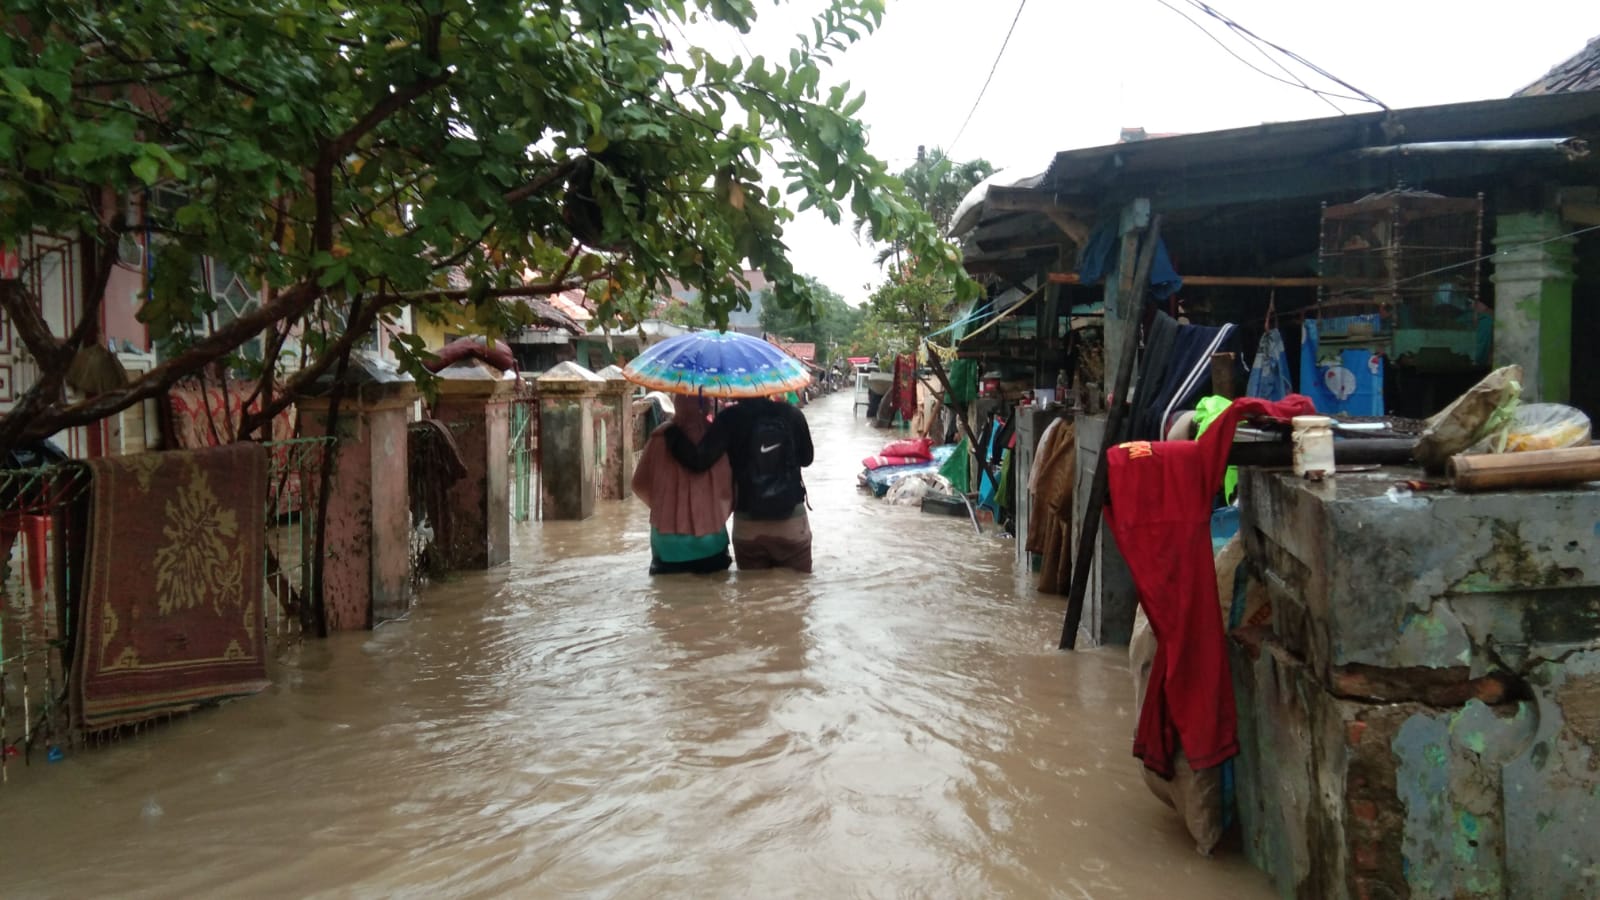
(171, 613)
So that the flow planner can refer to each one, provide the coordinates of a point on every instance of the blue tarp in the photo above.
(1099, 259)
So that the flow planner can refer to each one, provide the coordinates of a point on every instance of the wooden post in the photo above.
(1114, 421)
(1224, 380)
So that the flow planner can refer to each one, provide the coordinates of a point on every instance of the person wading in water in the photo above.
(688, 509)
(767, 443)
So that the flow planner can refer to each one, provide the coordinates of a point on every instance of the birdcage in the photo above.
(1414, 257)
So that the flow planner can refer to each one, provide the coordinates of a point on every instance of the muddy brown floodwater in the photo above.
(899, 724)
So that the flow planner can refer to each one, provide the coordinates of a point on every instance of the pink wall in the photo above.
(122, 302)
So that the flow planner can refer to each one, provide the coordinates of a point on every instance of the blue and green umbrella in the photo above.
(722, 364)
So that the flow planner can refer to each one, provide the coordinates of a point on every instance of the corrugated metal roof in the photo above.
(1282, 143)
(1579, 73)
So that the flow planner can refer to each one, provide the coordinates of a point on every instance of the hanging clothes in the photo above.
(1160, 340)
(1269, 377)
(1050, 516)
(1159, 511)
(905, 387)
(1205, 413)
(1188, 377)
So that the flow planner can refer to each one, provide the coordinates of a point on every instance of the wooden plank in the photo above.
(999, 199)
(1114, 421)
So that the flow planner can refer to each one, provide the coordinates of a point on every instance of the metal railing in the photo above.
(43, 529)
(38, 508)
(524, 463)
(290, 564)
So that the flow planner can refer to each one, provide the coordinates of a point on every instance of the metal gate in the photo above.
(524, 462)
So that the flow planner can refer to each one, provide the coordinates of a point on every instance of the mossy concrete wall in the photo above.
(1422, 716)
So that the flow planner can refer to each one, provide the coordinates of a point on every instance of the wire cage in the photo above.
(1414, 257)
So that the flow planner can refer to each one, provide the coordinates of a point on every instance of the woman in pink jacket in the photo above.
(688, 510)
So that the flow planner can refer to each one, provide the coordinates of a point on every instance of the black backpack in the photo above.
(770, 486)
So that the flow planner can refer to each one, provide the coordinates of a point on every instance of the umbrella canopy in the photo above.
(717, 364)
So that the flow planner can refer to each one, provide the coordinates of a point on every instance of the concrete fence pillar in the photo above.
(568, 395)
(615, 451)
(475, 403)
(366, 569)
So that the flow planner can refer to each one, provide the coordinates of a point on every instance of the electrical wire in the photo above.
(1324, 96)
(1296, 83)
(997, 57)
(1247, 33)
(1501, 252)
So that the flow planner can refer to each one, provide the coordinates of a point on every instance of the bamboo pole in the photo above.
(1530, 469)
(1114, 422)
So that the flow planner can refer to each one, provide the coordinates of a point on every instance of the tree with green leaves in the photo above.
(916, 299)
(827, 322)
(936, 183)
(357, 159)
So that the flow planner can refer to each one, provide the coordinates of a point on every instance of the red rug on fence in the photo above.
(171, 615)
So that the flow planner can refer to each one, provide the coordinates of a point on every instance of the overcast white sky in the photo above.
(1076, 72)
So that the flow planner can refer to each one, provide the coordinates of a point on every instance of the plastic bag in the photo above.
(1480, 411)
(1537, 426)
(910, 490)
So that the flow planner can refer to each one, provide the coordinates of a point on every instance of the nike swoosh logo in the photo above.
(766, 449)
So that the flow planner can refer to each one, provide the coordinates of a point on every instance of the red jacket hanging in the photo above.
(1159, 511)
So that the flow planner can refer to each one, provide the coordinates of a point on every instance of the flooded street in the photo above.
(897, 725)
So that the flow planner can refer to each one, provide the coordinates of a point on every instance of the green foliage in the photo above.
(828, 321)
(904, 309)
(348, 156)
(916, 300)
(937, 184)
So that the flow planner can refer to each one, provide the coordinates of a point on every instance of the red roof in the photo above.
(802, 352)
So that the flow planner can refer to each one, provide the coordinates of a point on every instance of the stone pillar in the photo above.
(475, 402)
(614, 438)
(366, 572)
(568, 394)
(1533, 303)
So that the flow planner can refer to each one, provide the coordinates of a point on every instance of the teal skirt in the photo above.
(675, 553)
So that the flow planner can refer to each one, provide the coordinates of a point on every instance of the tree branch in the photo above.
(536, 289)
(388, 106)
(27, 318)
(355, 330)
(287, 305)
(561, 170)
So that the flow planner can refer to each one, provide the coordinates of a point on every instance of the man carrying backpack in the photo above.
(767, 443)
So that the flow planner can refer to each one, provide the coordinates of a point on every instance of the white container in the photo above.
(1313, 446)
